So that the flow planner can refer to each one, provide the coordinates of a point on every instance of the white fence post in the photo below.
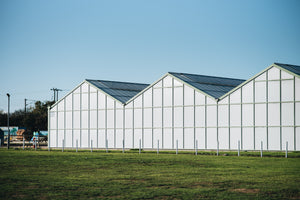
(261, 149)
(196, 147)
(286, 149)
(157, 146)
(123, 146)
(76, 145)
(176, 147)
(91, 146)
(238, 148)
(140, 147)
(63, 145)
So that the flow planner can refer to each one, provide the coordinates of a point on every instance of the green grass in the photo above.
(28, 174)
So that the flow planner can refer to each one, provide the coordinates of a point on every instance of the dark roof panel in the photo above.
(213, 86)
(122, 91)
(292, 68)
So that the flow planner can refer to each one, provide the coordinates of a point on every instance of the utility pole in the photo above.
(25, 106)
(55, 93)
(8, 135)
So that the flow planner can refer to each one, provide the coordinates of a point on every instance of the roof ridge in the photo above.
(276, 63)
(207, 76)
(117, 81)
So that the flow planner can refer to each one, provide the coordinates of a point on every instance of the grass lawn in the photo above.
(28, 174)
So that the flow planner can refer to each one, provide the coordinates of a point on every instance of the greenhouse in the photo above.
(182, 110)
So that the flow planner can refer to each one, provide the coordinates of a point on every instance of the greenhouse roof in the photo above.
(122, 91)
(211, 85)
(292, 68)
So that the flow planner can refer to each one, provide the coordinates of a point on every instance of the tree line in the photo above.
(35, 119)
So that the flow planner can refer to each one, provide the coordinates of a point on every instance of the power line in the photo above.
(55, 93)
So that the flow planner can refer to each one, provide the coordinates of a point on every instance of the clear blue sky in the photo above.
(46, 44)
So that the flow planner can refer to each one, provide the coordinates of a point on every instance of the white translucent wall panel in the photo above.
(68, 139)
(260, 114)
(200, 137)
(167, 138)
(85, 119)
(248, 139)
(60, 137)
(167, 97)
(235, 97)
(110, 138)
(128, 118)
(178, 96)
(261, 77)
(298, 138)
(235, 115)
(297, 89)
(260, 92)
(68, 120)
(168, 81)
(157, 117)
(93, 119)
(147, 117)
(178, 117)
(110, 118)
(273, 73)
(101, 100)
(84, 87)
(101, 119)
(93, 101)
(147, 138)
(200, 116)
(61, 120)
(212, 138)
(247, 114)
(130, 105)
(188, 95)
(119, 138)
(178, 135)
(69, 102)
(199, 98)
(76, 119)
(273, 91)
(223, 115)
(297, 114)
(77, 90)
(138, 118)
(235, 136)
(224, 101)
(119, 118)
(110, 103)
(128, 138)
(138, 102)
(157, 135)
(53, 124)
(223, 138)
(76, 101)
(53, 137)
(84, 138)
(167, 117)
(93, 137)
(148, 98)
(188, 116)
(287, 114)
(288, 136)
(211, 115)
(285, 75)
(274, 138)
(260, 135)
(119, 105)
(287, 90)
(137, 138)
(210, 101)
(247, 95)
(274, 114)
(177, 83)
(61, 105)
(158, 84)
(84, 101)
(101, 138)
(189, 138)
(76, 137)
(157, 97)
(93, 89)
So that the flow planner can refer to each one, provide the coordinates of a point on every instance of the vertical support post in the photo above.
(63, 145)
(176, 147)
(286, 149)
(8, 135)
(48, 130)
(157, 146)
(23, 143)
(91, 146)
(239, 148)
(140, 147)
(261, 149)
(35, 144)
(106, 145)
(77, 145)
(218, 148)
(123, 146)
(196, 147)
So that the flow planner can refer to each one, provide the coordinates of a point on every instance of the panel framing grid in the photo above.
(280, 104)
(162, 114)
(173, 113)
(183, 116)
(294, 93)
(49, 126)
(152, 115)
(143, 132)
(97, 119)
(133, 108)
(254, 114)
(72, 119)
(89, 120)
(267, 108)
(80, 116)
